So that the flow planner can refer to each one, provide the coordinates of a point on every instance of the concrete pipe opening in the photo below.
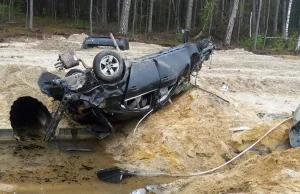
(28, 118)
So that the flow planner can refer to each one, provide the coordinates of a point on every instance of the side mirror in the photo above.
(68, 59)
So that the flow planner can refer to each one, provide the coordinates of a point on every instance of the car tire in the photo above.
(108, 66)
(73, 71)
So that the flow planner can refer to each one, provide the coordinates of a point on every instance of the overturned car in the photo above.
(115, 89)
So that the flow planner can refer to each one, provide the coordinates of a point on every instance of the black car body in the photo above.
(98, 98)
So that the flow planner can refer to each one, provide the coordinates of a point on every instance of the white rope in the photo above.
(199, 173)
(142, 120)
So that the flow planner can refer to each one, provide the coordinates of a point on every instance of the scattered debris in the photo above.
(241, 128)
(277, 116)
(113, 175)
(139, 191)
(224, 88)
(261, 115)
(212, 94)
(84, 167)
(78, 150)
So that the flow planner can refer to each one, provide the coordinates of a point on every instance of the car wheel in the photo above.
(108, 66)
(73, 71)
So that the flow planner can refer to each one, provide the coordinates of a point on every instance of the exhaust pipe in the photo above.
(29, 118)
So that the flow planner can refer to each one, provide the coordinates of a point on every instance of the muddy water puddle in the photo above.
(50, 168)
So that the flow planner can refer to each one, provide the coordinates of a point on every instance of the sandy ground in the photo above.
(195, 131)
(49, 168)
(24, 51)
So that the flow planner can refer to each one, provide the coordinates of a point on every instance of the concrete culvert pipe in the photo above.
(28, 118)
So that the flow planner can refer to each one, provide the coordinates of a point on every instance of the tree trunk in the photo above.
(104, 13)
(298, 42)
(75, 14)
(26, 19)
(267, 25)
(141, 16)
(178, 16)
(231, 22)
(263, 16)
(287, 23)
(150, 16)
(169, 16)
(284, 18)
(241, 16)
(31, 15)
(159, 15)
(91, 17)
(125, 17)
(257, 24)
(12, 10)
(175, 12)
(253, 16)
(223, 7)
(147, 16)
(211, 17)
(298, 45)
(134, 15)
(78, 14)
(98, 17)
(250, 30)
(55, 11)
(3, 3)
(118, 11)
(189, 13)
(9, 10)
(275, 21)
(195, 14)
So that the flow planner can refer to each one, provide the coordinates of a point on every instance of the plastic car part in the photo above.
(44, 78)
(108, 66)
(113, 175)
(123, 43)
(294, 133)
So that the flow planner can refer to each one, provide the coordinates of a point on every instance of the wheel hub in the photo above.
(109, 65)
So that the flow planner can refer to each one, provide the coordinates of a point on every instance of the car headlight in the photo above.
(75, 81)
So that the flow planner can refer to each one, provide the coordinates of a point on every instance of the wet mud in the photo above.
(53, 168)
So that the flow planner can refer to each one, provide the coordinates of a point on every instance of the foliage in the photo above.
(293, 39)
(17, 9)
(250, 42)
(276, 44)
(179, 37)
(59, 17)
(279, 44)
(5, 8)
(206, 12)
